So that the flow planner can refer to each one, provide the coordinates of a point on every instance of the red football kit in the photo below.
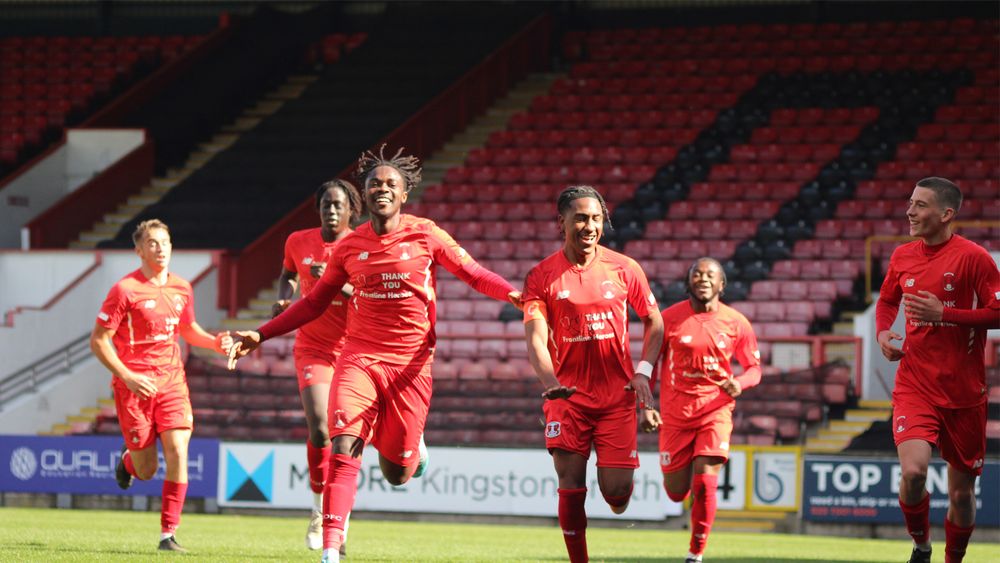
(698, 350)
(318, 343)
(586, 310)
(382, 385)
(940, 393)
(145, 318)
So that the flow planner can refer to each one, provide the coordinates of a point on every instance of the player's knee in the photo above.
(319, 436)
(914, 476)
(618, 497)
(677, 496)
(962, 497)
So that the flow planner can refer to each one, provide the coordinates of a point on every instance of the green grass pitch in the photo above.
(96, 535)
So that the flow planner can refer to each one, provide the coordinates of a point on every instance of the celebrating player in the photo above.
(949, 288)
(318, 343)
(136, 338)
(576, 326)
(381, 387)
(698, 392)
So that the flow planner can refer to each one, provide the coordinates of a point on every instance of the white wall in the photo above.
(31, 279)
(87, 152)
(56, 399)
(37, 333)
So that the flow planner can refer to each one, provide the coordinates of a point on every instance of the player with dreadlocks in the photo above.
(318, 343)
(576, 326)
(381, 386)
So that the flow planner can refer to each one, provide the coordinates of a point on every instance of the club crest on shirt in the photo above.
(553, 430)
(608, 289)
(404, 251)
(909, 282)
(900, 424)
(949, 281)
(664, 458)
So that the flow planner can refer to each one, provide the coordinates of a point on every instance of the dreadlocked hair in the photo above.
(577, 192)
(353, 196)
(407, 166)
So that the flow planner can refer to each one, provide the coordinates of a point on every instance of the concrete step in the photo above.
(109, 229)
(264, 108)
(129, 209)
(240, 324)
(225, 138)
(823, 447)
(118, 217)
(59, 430)
(164, 182)
(303, 78)
(868, 404)
(832, 435)
(109, 402)
(268, 294)
(843, 328)
(93, 236)
(258, 304)
(254, 314)
(80, 418)
(83, 244)
(869, 415)
(143, 200)
(244, 123)
(849, 426)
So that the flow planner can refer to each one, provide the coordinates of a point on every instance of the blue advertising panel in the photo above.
(866, 490)
(86, 465)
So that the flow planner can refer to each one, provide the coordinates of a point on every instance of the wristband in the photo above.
(644, 369)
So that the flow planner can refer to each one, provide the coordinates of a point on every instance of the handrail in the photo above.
(422, 133)
(59, 362)
(869, 274)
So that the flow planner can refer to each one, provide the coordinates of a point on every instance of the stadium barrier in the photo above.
(865, 490)
(86, 465)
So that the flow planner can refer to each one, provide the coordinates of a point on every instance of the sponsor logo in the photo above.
(256, 484)
(949, 281)
(909, 282)
(104, 316)
(149, 304)
(756, 354)
(686, 339)
(900, 424)
(23, 463)
(633, 454)
(977, 464)
(562, 294)
(724, 446)
(553, 430)
(651, 299)
(407, 454)
(363, 255)
(462, 253)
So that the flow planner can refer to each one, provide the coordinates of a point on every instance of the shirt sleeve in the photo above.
(312, 305)
(456, 260)
(748, 355)
(187, 313)
(889, 297)
(288, 262)
(531, 296)
(114, 308)
(640, 297)
(987, 288)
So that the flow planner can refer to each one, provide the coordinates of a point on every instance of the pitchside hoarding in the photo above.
(866, 490)
(86, 465)
(457, 481)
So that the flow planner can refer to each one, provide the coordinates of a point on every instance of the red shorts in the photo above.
(383, 404)
(142, 420)
(709, 437)
(312, 367)
(960, 434)
(612, 433)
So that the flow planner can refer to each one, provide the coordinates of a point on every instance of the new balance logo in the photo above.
(363, 256)
(564, 294)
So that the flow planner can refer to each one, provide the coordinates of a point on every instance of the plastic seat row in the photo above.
(656, 116)
(799, 290)
(980, 189)
(771, 172)
(944, 150)
(539, 174)
(955, 169)
(556, 156)
(644, 250)
(785, 153)
(809, 134)
(893, 209)
(501, 230)
(626, 137)
(792, 311)
(540, 195)
(690, 221)
(816, 269)
(737, 195)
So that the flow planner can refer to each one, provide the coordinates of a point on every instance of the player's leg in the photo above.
(175, 455)
(407, 399)
(138, 456)
(314, 375)
(963, 446)
(568, 437)
(615, 443)
(704, 483)
(676, 453)
(914, 501)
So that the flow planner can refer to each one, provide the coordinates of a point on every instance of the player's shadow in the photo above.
(41, 547)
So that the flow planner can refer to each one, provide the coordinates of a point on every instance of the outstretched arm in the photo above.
(536, 333)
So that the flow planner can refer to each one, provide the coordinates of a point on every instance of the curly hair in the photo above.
(577, 192)
(353, 196)
(407, 166)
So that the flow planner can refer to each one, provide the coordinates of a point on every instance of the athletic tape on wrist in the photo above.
(645, 369)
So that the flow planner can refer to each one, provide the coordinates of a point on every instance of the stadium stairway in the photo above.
(838, 434)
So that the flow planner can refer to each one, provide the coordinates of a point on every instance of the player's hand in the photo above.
(558, 392)
(246, 341)
(640, 384)
(142, 385)
(891, 353)
(651, 420)
(515, 299)
(732, 387)
(223, 342)
(923, 306)
(317, 269)
(279, 307)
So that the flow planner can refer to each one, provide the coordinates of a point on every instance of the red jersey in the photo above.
(942, 362)
(587, 315)
(145, 317)
(392, 312)
(698, 349)
(303, 249)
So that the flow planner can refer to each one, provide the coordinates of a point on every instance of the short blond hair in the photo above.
(142, 228)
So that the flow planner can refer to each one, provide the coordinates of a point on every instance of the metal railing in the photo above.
(60, 362)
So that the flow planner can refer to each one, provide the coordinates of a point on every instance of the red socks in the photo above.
(703, 506)
(173, 504)
(127, 462)
(338, 498)
(918, 519)
(956, 539)
(319, 462)
(573, 521)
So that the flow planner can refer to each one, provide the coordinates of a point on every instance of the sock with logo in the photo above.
(703, 506)
(319, 462)
(129, 466)
(918, 520)
(573, 521)
(173, 504)
(956, 540)
(338, 498)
